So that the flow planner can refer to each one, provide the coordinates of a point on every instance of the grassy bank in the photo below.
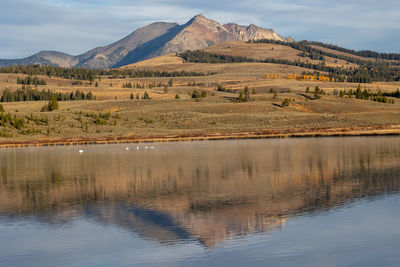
(211, 118)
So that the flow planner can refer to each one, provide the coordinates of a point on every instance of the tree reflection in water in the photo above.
(205, 191)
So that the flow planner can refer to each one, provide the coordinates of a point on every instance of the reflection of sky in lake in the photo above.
(363, 234)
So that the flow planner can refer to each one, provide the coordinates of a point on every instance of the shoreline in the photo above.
(330, 132)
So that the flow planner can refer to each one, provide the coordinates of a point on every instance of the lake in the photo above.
(278, 202)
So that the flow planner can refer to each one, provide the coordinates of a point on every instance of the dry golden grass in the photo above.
(170, 59)
(257, 51)
(215, 115)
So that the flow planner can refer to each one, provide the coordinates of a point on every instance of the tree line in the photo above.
(361, 53)
(31, 81)
(29, 94)
(92, 74)
(369, 95)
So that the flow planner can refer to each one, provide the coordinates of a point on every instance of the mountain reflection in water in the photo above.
(209, 191)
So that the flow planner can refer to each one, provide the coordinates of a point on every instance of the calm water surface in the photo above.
(295, 202)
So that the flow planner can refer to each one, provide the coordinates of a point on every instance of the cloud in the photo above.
(75, 26)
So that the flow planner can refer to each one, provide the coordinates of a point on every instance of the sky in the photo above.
(76, 26)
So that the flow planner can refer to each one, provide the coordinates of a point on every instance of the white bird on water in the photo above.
(127, 148)
(137, 148)
(81, 151)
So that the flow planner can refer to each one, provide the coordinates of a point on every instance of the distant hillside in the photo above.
(154, 40)
(51, 58)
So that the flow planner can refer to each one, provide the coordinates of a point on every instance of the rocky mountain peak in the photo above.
(199, 16)
(252, 32)
(201, 20)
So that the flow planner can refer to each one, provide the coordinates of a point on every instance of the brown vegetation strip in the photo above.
(315, 132)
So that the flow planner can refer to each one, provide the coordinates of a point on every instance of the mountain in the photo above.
(44, 58)
(154, 40)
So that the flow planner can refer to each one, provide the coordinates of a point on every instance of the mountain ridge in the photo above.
(155, 39)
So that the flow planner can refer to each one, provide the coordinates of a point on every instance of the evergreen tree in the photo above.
(275, 95)
(246, 94)
(286, 102)
(89, 96)
(240, 98)
(51, 106)
(146, 96)
(195, 94)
